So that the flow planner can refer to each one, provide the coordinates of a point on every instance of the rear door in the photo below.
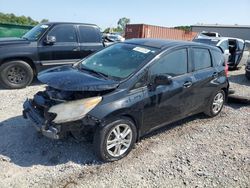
(224, 46)
(64, 51)
(243, 50)
(204, 73)
(90, 40)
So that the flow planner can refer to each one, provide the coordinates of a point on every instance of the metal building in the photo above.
(236, 31)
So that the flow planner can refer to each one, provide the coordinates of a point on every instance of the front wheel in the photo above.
(16, 74)
(115, 140)
(216, 104)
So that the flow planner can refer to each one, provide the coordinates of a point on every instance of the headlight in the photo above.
(74, 110)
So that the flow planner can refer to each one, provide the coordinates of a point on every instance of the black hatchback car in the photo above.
(127, 90)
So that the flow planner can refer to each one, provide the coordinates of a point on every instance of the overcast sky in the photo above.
(158, 12)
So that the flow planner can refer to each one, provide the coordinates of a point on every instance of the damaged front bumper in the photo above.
(39, 122)
(54, 130)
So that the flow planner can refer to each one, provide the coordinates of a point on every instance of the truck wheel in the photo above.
(115, 140)
(215, 104)
(16, 74)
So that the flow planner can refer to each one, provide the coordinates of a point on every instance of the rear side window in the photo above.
(173, 64)
(89, 34)
(218, 58)
(224, 45)
(241, 45)
(201, 58)
(64, 33)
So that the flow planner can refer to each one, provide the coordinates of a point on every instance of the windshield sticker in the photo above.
(44, 26)
(142, 50)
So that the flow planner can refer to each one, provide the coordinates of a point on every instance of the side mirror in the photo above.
(50, 40)
(162, 79)
(158, 80)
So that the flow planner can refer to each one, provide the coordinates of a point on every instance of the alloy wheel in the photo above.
(218, 103)
(119, 140)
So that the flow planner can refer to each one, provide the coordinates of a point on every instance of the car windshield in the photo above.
(119, 60)
(36, 32)
(212, 42)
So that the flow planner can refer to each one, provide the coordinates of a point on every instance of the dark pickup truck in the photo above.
(44, 46)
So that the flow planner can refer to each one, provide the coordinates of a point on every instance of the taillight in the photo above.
(226, 69)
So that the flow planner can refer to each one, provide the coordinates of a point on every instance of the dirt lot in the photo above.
(195, 152)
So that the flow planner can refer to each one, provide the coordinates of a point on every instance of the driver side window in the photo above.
(63, 33)
(172, 64)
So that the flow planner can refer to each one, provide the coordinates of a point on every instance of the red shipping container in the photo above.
(151, 31)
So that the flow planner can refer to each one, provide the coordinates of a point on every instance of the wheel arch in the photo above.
(26, 59)
(120, 113)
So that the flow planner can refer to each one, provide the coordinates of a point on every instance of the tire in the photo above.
(105, 151)
(16, 74)
(215, 104)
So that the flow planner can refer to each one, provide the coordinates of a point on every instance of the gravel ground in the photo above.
(195, 152)
(239, 82)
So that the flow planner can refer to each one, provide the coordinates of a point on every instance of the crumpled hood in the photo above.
(13, 41)
(68, 78)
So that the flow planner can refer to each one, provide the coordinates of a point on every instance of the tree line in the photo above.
(26, 20)
(20, 20)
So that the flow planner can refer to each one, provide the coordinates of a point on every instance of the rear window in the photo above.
(241, 45)
(224, 45)
(201, 58)
(89, 34)
(218, 58)
(212, 42)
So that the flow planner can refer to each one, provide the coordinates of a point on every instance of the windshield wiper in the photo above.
(95, 72)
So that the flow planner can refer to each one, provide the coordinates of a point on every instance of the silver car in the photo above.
(233, 49)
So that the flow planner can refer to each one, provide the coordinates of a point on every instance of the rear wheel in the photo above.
(115, 140)
(216, 104)
(16, 74)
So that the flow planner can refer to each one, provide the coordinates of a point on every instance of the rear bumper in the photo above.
(50, 131)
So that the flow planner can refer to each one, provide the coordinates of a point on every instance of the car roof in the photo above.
(76, 23)
(164, 44)
(219, 38)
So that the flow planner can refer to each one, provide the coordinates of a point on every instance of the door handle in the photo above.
(187, 84)
(215, 74)
(76, 49)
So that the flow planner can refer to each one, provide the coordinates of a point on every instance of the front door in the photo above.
(167, 103)
(64, 51)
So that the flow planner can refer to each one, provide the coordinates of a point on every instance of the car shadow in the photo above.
(22, 145)
(237, 104)
(176, 124)
(239, 79)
